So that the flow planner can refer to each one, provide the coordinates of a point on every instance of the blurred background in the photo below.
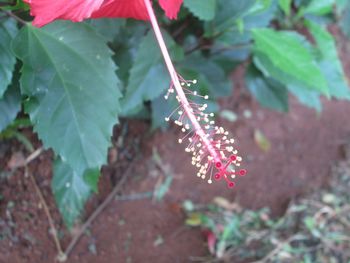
(277, 76)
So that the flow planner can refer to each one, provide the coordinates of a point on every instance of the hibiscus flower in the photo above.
(46, 11)
(212, 151)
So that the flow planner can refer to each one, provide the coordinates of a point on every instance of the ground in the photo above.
(304, 145)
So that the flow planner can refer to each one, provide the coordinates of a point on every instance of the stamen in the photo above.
(210, 147)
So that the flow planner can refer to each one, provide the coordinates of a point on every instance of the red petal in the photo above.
(171, 7)
(45, 11)
(122, 8)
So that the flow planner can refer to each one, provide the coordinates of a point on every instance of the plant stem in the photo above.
(98, 211)
(8, 13)
(34, 155)
(176, 82)
(276, 250)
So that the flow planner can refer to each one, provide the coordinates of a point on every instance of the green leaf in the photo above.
(231, 229)
(20, 5)
(211, 78)
(154, 82)
(109, 28)
(126, 45)
(286, 52)
(260, 5)
(268, 92)
(330, 63)
(204, 10)
(227, 14)
(91, 177)
(325, 42)
(309, 98)
(310, 223)
(305, 95)
(148, 75)
(10, 105)
(161, 190)
(73, 93)
(188, 206)
(261, 140)
(319, 7)
(70, 191)
(161, 108)
(8, 30)
(234, 36)
(285, 5)
(345, 20)
(194, 219)
(341, 5)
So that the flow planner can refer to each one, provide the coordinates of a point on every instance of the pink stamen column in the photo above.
(176, 82)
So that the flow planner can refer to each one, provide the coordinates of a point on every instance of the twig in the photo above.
(165, 169)
(276, 250)
(33, 156)
(133, 197)
(338, 216)
(8, 13)
(314, 203)
(98, 211)
(62, 256)
(180, 29)
(46, 208)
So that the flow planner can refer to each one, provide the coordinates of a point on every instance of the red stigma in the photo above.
(242, 172)
(224, 171)
(233, 158)
(218, 164)
(231, 184)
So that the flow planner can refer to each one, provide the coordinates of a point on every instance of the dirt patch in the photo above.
(304, 146)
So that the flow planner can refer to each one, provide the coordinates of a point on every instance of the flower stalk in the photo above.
(209, 146)
(176, 81)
